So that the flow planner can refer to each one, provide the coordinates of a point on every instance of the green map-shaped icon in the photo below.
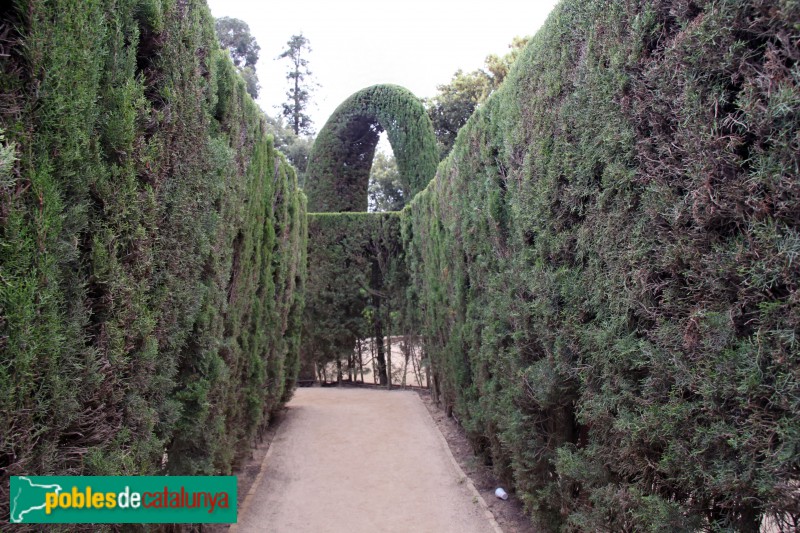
(28, 499)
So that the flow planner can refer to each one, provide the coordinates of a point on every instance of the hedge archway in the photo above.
(341, 159)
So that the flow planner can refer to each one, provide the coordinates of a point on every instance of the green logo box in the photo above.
(122, 499)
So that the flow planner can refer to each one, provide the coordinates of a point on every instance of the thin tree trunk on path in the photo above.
(389, 359)
(351, 364)
(427, 375)
(404, 348)
(379, 339)
(360, 358)
(374, 368)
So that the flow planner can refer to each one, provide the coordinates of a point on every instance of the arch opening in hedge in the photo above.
(341, 159)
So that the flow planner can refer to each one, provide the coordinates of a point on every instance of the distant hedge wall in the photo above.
(152, 245)
(607, 268)
(356, 273)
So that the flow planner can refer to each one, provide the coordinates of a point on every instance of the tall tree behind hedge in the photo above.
(296, 148)
(234, 35)
(300, 84)
(455, 101)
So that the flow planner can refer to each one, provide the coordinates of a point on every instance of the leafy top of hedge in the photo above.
(340, 161)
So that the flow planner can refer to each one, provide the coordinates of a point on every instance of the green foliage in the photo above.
(296, 148)
(385, 191)
(498, 67)
(456, 101)
(340, 161)
(251, 81)
(300, 86)
(603, 271)
(604, 268)
(356, 275)
(234, 35)
(454, 104)
(151, 248)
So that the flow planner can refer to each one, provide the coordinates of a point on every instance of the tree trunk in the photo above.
(339, 371)
(360, 359)
(389, 356)
(376, 301)
(381, 353)
(427, 375)
(389, 367)
(373, 359)
(415, 364)
(297, 100)
(435, 389)
(351, 364)
(404, 348)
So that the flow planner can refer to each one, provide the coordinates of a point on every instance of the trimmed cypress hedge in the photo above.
(604, 269)
(152, 245)
(356, 276)
(341, 158)
(607, 268)
(356, 266)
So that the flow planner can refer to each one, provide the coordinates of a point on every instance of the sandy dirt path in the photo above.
(356, 460)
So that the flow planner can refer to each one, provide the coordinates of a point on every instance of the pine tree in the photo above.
(300, 85)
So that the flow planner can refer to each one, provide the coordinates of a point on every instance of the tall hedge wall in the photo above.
(607, 268)
(152, 245)
(356, 276)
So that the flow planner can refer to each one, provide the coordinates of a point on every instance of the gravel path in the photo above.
(357, 460)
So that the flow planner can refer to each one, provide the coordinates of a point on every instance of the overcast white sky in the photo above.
(357, 43)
